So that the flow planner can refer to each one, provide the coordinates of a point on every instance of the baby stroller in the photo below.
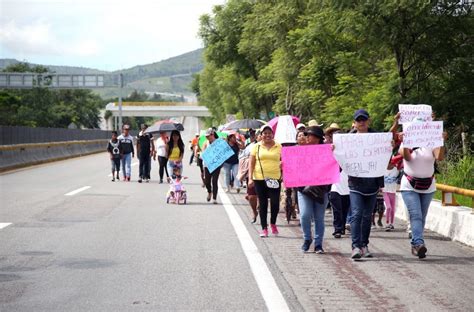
(176, 193)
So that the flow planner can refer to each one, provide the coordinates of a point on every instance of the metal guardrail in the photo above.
(447, 197)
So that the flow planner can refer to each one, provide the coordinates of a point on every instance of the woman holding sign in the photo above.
(265, 174)
(312, 201)
(211, 179)
(417, 187)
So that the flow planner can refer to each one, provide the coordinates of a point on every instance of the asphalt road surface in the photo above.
(117, 246)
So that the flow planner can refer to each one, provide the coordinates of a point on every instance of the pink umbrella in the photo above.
(274, 122)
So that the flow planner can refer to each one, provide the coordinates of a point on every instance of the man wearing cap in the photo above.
(363, 195)
(126, 140)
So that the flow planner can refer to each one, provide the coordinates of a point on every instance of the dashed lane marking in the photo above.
(4, 225)
(77, 191)
(271, 294)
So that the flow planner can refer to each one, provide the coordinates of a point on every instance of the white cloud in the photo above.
(39, 38)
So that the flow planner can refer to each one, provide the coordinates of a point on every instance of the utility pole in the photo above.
(120, 101)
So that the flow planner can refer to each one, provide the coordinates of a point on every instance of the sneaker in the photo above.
(337, 235)
(208, 197)
(356, 253)
(387, 228)
(319, 250)
(147, 180)
(274, 229)
(161, 181)
(118, 178)
(306, 245)
(391, 227)
(264, 233)
(238, 190)
(128, 179)
(366, 253)
(379, 224)
(419, 251)
(348, 227)
(140, 180)
(113, 179)
(215, 202)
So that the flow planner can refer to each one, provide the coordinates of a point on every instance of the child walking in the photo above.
(391, 180)
(115, 150)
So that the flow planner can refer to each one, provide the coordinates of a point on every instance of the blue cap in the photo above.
(361, 113)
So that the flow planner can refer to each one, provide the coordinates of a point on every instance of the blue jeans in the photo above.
(310, 209)
(417, 205)
(231, 171)
(361, 218)
(127, 165)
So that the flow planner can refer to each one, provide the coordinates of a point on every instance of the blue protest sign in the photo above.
(216, 154)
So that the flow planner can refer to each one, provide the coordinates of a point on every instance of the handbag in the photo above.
(316, 192)
(271, 183)
(421, 184)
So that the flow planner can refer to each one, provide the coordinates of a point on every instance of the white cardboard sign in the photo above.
(423, 134)
(410, 111)
(285, 130)
(364, 155)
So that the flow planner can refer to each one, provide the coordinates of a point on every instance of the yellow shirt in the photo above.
(174, 155)
(270, 160)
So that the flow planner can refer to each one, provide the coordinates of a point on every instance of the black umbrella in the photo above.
(165, 127)
(245, 124)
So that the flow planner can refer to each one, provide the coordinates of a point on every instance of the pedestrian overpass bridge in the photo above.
(158, 109)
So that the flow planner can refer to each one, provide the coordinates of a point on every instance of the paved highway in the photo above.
(117, 246)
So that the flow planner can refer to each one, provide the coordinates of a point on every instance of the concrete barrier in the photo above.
(456, 223)
(22, 155)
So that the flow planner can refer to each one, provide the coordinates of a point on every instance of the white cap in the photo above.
(300, 125)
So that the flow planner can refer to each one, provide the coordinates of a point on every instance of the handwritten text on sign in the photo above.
(410, 111)
(423, 134)
(309, 165)
(363, 155)
(216, 154)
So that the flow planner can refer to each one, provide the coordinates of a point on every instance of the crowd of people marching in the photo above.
(358, 204)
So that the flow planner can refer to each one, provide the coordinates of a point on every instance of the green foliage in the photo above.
(325, 59)
(459, 172)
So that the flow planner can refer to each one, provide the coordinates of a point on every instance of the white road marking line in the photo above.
(272, 295)
(4, 225)
(77, 191)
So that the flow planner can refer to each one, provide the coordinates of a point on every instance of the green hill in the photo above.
(172, 75)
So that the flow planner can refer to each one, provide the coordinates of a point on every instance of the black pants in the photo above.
(340, 207)
(210, 180)
(201, 167)
(191, 159)
(162, 161)
(264, 193)
(144, 165)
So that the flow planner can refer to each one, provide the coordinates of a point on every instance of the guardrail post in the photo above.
(448, 199)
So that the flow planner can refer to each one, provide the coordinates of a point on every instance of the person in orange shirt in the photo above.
(194, 143)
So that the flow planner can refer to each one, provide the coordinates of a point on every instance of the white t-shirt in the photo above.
(390, 180)
(160, 147)
(342, 188)
(421, 165)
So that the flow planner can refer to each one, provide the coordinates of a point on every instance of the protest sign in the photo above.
(309, 165)
(423, 134)
(216, 154)
(363, 155)
(410, 111)
(202, 137)
(285, 130)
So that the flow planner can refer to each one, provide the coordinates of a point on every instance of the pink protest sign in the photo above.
(309, 165)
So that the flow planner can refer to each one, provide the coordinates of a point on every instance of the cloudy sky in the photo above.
(103, 34)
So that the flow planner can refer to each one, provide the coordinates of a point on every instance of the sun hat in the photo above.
(262, 128)
(316, 131)
(313, 123)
